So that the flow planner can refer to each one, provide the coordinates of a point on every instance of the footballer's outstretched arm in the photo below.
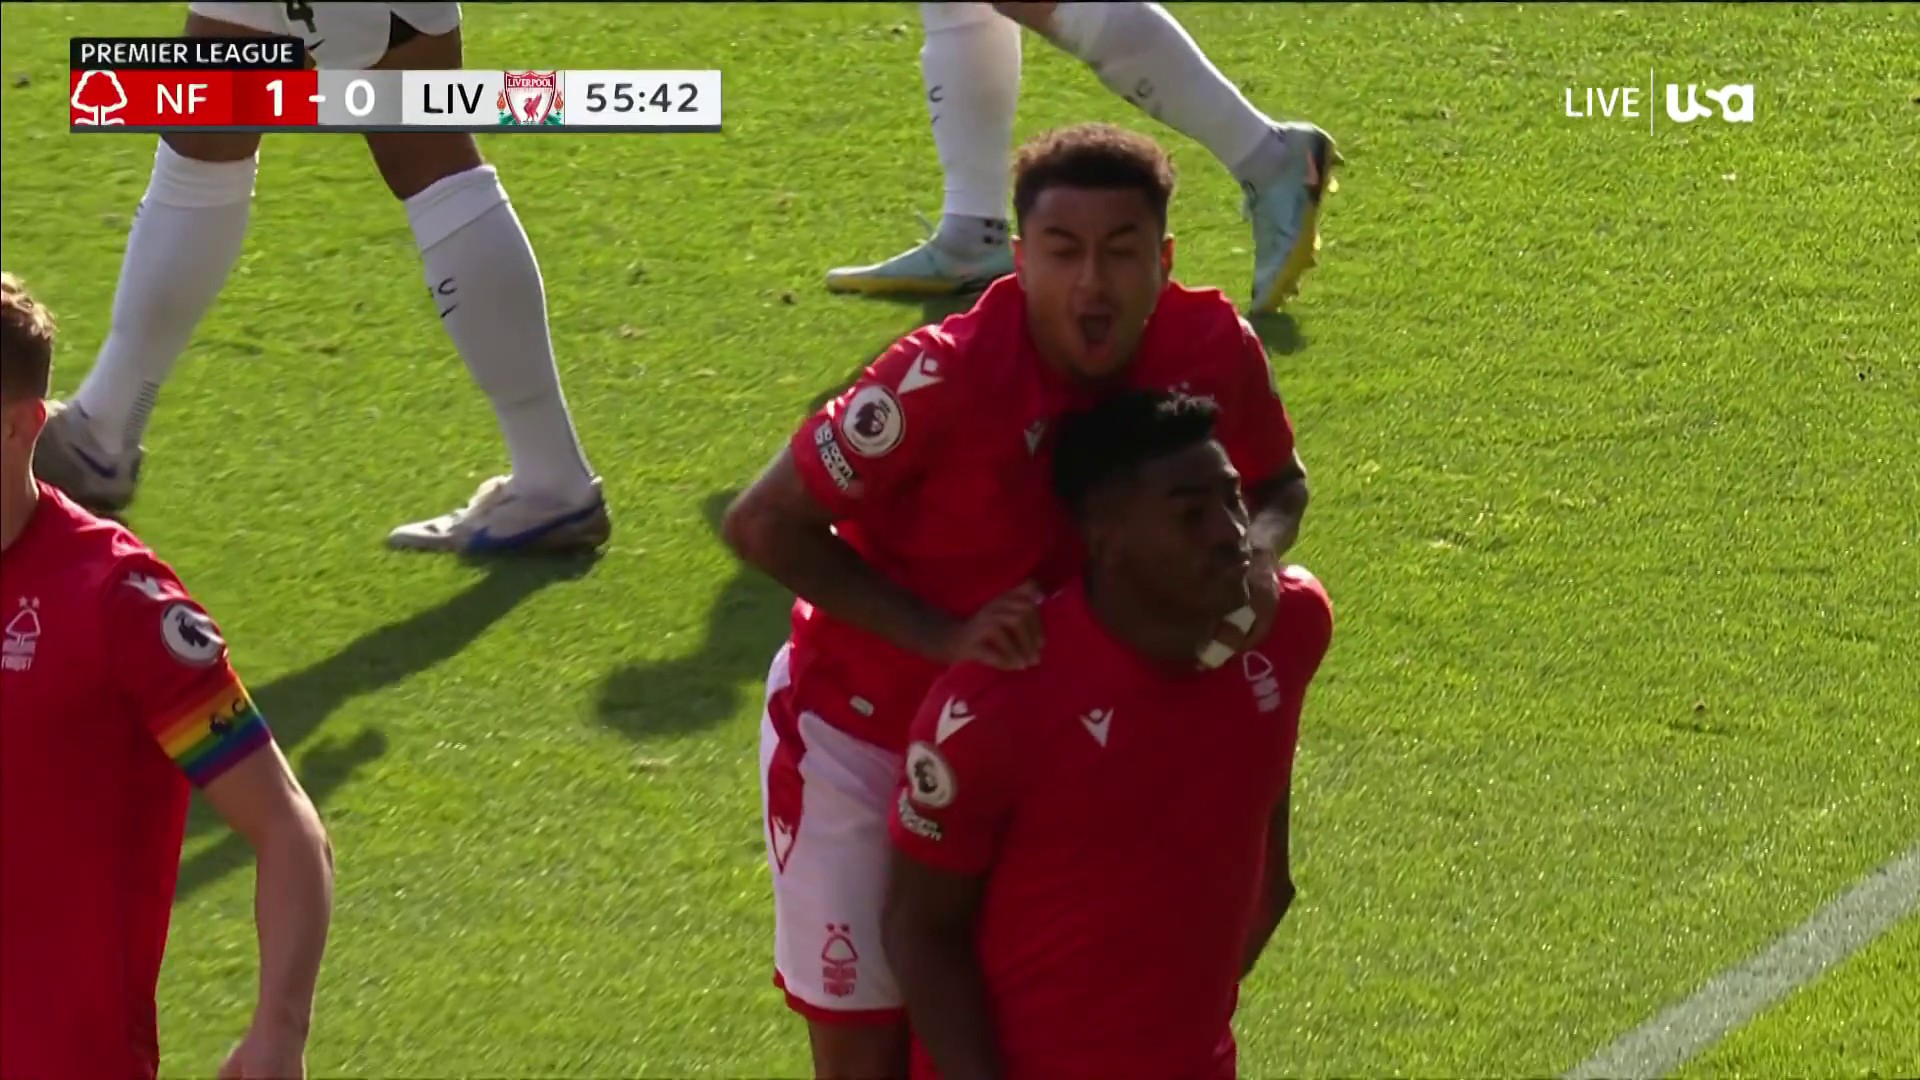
(1276, 886)
(928, 932)
(293, 886)
(779, 526)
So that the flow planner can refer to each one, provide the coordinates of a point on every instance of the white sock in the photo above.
(966, 235)
(1141, 53)
(187, 234)
(970, 64)
(487, 288)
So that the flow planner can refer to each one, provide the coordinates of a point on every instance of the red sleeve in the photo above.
(879, 435)
(1256, 430)
(960, 783)
(171, 665)
(1302, 631)
(1306, 618)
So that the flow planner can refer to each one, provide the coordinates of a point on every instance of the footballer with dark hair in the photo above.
(915, 519)
(1092, 852)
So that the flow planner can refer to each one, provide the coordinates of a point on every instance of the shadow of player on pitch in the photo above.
(685, 694)
(296, 705)
(745, 626)
(1279, 332)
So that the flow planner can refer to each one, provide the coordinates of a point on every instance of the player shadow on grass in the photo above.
(296, 705)
(694, 692)
(1279, 332)
(744, 626)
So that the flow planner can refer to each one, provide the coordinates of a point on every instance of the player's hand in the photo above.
(267, 1053)
(1005, 633)
(1263, 601)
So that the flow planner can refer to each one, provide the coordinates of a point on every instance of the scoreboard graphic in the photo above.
(264, 84)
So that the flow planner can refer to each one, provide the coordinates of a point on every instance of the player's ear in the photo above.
(1166, 256)
(22, 421)
(1019, 259)
(36, 418)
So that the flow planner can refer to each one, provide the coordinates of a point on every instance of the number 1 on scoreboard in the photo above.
(274, 101)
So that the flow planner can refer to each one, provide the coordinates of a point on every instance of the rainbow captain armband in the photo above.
(213, 734)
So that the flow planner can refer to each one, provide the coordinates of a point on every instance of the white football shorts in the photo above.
(825, 796)
(341, 36)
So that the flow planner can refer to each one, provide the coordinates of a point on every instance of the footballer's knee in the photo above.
(183, 179)
(944, 16)
(859, 1051)
(1076, 28)
(215, 146)
(411, 162)
(1033, 16)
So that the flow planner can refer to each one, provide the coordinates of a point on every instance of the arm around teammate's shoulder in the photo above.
(1259, 437)
(850, 461)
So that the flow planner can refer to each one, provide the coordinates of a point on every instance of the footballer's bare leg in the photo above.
(186, 235)
(1142, 54)
(859, 1051)
(970, 64)
(485, 285)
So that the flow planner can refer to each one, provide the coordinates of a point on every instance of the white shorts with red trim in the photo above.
(825, 796)
(340, 36)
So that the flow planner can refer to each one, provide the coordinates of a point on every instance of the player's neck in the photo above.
(16, 504)
(1170, 640)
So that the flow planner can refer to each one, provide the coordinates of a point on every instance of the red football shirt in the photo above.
(115, 695)
(936, 463)
(1119, 811)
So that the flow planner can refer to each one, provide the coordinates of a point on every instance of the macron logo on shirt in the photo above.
(924, 372)
(148, 586)
(953, 717)
(1097, 721)
(1035, 432)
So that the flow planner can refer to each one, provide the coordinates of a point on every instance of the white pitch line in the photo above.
(1735, 996)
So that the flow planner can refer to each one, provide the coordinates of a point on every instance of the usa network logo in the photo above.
(1732, 103)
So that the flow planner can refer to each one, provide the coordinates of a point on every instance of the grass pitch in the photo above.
(1612, 438)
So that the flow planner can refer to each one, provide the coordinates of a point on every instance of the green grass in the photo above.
(1612, 438)
(1856, 1020)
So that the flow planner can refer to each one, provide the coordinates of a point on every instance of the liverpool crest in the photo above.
(531, 99)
